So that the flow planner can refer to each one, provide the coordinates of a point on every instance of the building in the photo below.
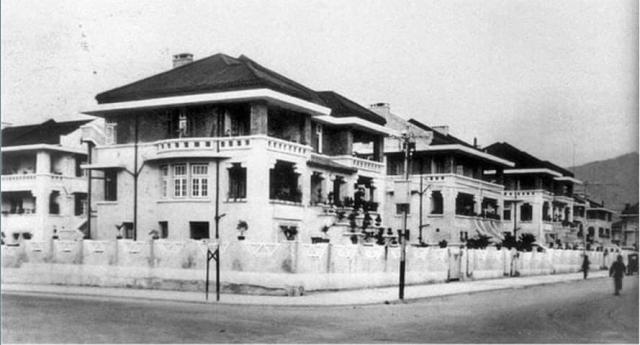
(43, 187)
(224, 145)
(625, 231)
(452, 199)
(596, 219)
(539, 198)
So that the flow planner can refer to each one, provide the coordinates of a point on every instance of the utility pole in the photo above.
(403, 235)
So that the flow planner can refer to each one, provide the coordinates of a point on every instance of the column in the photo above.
(259, 119)
(306, 134)
(345, 142)
(477, 204)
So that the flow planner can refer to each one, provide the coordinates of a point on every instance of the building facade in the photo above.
(625, 231)
(224, 145)
(451, 198)
(44, 190)
(539, 198)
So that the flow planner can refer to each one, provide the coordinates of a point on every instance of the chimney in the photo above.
(182, 59)
(475, 142)
(382, 109)
(444, 130)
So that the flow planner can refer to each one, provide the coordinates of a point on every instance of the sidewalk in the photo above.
(350, 297)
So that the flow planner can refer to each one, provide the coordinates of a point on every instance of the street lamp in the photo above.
(408, 146)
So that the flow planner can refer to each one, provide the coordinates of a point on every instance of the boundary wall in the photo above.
(286, 268)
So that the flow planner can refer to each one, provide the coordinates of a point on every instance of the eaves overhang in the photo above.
(268, 95)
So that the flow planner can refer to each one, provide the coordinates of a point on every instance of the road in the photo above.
(572, 312)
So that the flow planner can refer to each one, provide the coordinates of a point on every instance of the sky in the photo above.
(558, 79)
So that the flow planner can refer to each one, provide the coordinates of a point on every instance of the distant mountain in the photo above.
(614, 181)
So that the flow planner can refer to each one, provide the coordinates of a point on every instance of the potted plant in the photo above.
(155, 235)
(242, 227)
(442, 244)
(118, 231)
(325, 230)
(26, 235)
(290, 232)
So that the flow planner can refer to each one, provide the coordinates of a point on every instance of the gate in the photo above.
(455, 264)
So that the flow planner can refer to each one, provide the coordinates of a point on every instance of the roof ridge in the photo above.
(221, 55)
(256, 68)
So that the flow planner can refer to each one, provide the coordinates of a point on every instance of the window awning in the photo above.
(488, 228)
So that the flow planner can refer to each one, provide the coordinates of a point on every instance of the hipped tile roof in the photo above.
(48, 132)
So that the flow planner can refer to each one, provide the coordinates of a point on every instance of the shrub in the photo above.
(526, 242)
(442, 244)
(478, 242)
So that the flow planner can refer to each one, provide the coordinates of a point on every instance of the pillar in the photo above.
(306, 134)
(345, 142)
(259, 119)
(477, 204)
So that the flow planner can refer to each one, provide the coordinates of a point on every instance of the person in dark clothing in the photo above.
(585, 266)
(617, 272)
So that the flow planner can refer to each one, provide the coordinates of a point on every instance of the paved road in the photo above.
(573, 312)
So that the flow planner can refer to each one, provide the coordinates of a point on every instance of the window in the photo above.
(526, 212)
(464, 236)
(401, 208)
(507, 214)
(459, 169)
(237, 182)
(199, 230)
(164, 229)
(128, 230)
(180, 180)
(164, 180)
(436, 202)
(54, 207)
(111, 185)
(199, 180)
(80, 204)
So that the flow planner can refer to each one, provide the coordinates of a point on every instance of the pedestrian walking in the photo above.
(585, 266)
(617, 272)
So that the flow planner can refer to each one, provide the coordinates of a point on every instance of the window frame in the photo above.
(180, 181)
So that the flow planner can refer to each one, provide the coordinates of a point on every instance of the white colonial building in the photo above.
(223, 145)
(452, 199)
(44, 190)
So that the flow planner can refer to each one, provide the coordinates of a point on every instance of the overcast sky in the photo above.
(558, 79)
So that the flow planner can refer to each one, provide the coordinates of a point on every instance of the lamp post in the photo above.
(403, 235)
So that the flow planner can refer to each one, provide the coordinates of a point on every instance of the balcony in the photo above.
(454, 180)
(361, 164)
(526, 193)
(208, 147)
(24, 182)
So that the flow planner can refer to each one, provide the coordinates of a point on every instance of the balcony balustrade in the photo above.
(453, 180)
(173, 147)
(28, 182)
(360, 163)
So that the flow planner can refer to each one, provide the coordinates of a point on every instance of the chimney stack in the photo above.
(475, 142)
(444, 130)
(182, 59)
(382, 109)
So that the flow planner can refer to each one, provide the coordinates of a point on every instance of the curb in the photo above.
(102, 296)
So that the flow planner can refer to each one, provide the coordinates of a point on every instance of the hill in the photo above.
(614, 181)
